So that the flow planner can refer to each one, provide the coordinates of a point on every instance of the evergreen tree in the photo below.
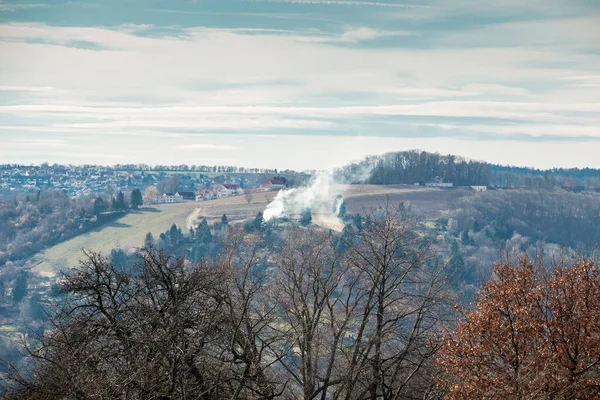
(136, 198)
(306, 217)
(20, 287)
(2, 289)
(113, 204)
(99, 206)
(343, 212)
(203, 234)
(456, 265)
(149, 240)
(258, 220)
(120, 203)
(465, 239)
(224, 220)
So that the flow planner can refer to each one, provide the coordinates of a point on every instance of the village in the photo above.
(219, 191)
(172, 184)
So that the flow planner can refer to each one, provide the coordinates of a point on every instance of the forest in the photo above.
(414, 166)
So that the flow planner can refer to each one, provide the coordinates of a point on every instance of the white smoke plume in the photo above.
(318, 197)
(323, 196)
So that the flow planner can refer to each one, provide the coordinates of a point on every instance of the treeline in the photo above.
(31, 222)
(408, 167)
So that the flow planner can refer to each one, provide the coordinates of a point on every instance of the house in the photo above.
(205, 194)
(479, 188)
(234, 190)
(220, 191)
(188, 195)
(275, 183)
(169, 198)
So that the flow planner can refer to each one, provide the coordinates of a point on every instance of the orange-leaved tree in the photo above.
(533, 334)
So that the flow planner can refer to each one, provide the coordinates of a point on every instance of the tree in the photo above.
(99, 206)
(248, 195)
(150, 195)
(224, 220)
(136, 198)
(305, 217)
(149, 241)
(259, 220)
(533, 334)
(160, 330)
(120, 202)
(343, 211)
(20, 287)
(402, 298)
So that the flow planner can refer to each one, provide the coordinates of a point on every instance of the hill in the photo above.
(126, 232)
(129, 231)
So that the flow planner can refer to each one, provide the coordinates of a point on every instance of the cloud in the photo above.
(41, 142)
(494, 88)
(27, 88)
(4, 6)
(204, 146)
(348, 73)
(344, 3)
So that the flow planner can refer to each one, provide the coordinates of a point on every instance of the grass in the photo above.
(126, 232)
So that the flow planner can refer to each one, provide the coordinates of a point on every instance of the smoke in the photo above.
(337, 205)
(323, 196)
(318, 197)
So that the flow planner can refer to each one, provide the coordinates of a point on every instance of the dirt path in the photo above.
(192, 218)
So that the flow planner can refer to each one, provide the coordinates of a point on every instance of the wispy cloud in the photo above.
(41, 142)
(28, 89)
(11, 7)
(344, 3)
(204, 146)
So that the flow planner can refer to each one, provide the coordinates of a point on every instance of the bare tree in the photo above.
(165, 329)
(401, 304)
(248, 195)
(363, 324)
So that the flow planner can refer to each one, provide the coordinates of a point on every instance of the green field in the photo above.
(126, 233)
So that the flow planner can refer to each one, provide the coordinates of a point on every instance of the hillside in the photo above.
(129, 231)
(126, 232)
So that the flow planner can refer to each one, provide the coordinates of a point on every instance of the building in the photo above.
(479, 188)
(275, 183)
(234, 190)
(169, 198)
(188, 195)
(205, 194)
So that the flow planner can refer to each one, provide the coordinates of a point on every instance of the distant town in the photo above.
(170, 183)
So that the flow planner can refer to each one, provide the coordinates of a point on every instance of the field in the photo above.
(126, 232)
(129, 231)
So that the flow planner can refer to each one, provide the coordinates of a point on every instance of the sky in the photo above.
(300, 84)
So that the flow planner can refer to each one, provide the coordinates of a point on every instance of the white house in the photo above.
(169, 198)
(276, 183)
(234, 190)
